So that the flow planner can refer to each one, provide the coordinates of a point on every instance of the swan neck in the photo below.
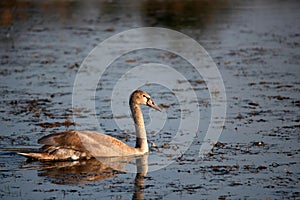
(140, 131)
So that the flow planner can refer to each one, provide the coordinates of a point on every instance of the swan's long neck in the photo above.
(140, 131)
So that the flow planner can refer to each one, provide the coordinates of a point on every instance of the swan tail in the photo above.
(37, 156)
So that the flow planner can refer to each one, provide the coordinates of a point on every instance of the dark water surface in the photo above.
(255, 45)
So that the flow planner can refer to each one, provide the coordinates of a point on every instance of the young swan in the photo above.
(75, 145)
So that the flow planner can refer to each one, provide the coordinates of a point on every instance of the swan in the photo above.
(78, 145)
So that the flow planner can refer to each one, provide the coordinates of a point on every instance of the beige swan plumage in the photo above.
(76, 145)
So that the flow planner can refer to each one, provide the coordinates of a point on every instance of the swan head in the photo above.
(140, 97)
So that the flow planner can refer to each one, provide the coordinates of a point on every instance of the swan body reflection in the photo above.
(100, 169)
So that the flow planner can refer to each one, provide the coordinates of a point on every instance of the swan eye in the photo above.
(148, 98)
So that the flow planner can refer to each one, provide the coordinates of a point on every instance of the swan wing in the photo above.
(97, 144)
(67, 139)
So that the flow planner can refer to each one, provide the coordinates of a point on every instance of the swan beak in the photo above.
(152, 105)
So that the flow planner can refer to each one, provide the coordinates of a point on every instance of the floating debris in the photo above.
(66, 123)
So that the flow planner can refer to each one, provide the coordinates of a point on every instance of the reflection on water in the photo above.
(179, 14)
(79, 172)
(172, 14)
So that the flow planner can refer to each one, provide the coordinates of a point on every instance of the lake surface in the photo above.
(255, 46)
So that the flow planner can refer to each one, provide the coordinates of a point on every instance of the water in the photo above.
(255, 46)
